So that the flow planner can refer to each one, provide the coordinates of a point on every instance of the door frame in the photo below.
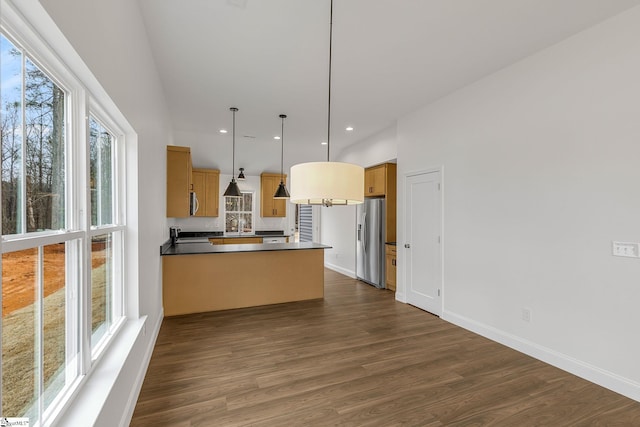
(402, 295)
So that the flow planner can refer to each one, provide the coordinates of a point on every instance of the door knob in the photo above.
(407, 245)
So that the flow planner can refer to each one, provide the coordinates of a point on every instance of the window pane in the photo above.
(59, 361)
(246, 201)
(232, 203)
(20, 372)
(101, 286)
(245, 223)
(44, 162)
(101, 181)
(231, 222)
(26, 323)
(11, 131)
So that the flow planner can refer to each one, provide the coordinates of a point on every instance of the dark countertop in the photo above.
(208, 248)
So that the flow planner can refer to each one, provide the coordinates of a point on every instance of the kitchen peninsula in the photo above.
(200, 277)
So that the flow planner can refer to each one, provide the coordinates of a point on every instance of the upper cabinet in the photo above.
(375, 181)
(206, 185)
(380, 181)
(179, 181)
(270, 207)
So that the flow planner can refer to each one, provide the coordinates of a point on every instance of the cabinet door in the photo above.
(179, 183)
(212, 192)
(270, 207)
(390, 264)
(374, 181)
(391, 272)
(206, 187)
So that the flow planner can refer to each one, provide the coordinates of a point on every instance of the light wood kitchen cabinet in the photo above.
(206, 185)
(380, 181)
(390, 256)
(179, 181)
(375, 181)
(235, 240)
(270, 207)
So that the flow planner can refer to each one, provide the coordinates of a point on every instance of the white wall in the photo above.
(540, 176)
(111, 39)
(338, 230)
(379, 148)
(338, 224)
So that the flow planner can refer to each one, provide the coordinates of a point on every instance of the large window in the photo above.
(62, 247)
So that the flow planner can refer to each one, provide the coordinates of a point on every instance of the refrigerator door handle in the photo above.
(359, 232)
(364, 238)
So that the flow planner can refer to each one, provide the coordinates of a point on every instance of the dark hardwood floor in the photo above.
(356, 358)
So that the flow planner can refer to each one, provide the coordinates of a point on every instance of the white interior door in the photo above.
(423, 231)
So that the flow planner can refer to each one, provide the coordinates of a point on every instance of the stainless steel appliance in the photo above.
(370, 242)
(194, 205)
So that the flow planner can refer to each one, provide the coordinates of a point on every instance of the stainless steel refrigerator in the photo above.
(370, 242)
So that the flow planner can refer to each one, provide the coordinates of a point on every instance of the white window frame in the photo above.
(80, 100)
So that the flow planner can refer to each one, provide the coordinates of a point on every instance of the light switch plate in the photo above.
(626, 249)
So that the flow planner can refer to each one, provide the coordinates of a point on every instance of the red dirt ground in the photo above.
(19, 270)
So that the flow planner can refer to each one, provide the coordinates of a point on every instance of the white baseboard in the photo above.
(340, 270)
(127, 414)
(604, 378)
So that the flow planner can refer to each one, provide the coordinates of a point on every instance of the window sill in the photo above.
(88, 400)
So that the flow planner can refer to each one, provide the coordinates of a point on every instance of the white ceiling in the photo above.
(390, 57)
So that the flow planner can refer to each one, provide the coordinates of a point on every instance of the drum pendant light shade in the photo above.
(281, 192)
(327, 183)
(233, 190)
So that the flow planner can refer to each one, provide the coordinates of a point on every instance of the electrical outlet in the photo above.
(526, 315)
(626, 249)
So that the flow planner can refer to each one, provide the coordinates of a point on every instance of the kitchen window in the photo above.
(238, 216)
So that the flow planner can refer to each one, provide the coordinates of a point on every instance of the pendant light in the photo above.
(281, 192)
(233, 190)
(327, 183)
(241, 176)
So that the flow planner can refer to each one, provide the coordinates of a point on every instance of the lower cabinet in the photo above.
(390, 255)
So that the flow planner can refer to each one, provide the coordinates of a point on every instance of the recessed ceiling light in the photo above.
(349, 128)
(276, 137)
(223, 131)
(324, 143)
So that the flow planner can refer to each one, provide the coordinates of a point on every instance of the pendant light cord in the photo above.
(233, 153)
(282, 116)
(329, 100)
